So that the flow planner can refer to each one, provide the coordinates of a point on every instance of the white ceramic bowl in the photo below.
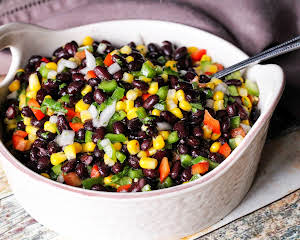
(163, 214)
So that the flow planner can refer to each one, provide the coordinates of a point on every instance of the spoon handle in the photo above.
(283, 48)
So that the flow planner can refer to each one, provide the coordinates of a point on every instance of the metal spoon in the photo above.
(280, 49)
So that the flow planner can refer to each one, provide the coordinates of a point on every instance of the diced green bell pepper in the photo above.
(252, 88)
(233, 90)
(132, 173)
(168, 182)
(148, 70)
(173, 137)
(186, 160)
(162, 92)
(120, 156)
(235, 122)
(89, 182)
(118, 93)
(108, 86)
(88, 136)
(115, 137)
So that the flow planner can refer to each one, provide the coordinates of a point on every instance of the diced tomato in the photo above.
(19, 143)
(80, 55)
(212, 123)
(197, 55)
(72, 179)
(164, 169)
(33, 104)
(200, 168)
(91, 74)
(124, 188)
(237, 131)
(208, 73)
(108, 60)
(225, 150)
(70, 114)
(124, 98)
(21, 133)
(219, 66)
(145, 96)
(76, 126)
(45, 60)
(95, 172)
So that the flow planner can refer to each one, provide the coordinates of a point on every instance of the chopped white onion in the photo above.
(12, 95)
(52, 74)
(60, 178)
(182, 72)
(101, 48)
(90, 62)
(245, 127)
(222, 87)
(65, 138)
(93, 111)
(209, 103)
(96, 122)
(107, 113)
(107, 147)
(112, 69)
(162, 126)
(62, 63)
(53, 119)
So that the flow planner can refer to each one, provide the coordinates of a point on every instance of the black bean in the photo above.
(137, 186)
(71, 48)
(133, 162)
(180, 53)
(182, 149)
(50, 85)
(140, 85)
(189, 76)
(53, 147)
(198, 152)
(119, 59)
(242, 112)
(134, 124)
(118, 75)
(21, 125)
(75, 87)
(64, 77)
(43, 152)
(109, 49)
(160, 154)
(254, 115)
(81, 170)
(78, 77)
(150, 173)
(102, 73)
(68, 166)
(135, 65)
(117, 167)
(34, 154)
(99, 153)
(33, 60)
(203, 78)
(222, 140)
(167, 116)
(173, 81)
(138, 102)
(80, 134)
(88, 125)
(146, 144)
(118, 127)
(235, 82)
(43, 164)
(132, 45)
(225, 124)
(98, 187)
(150, 102)
(26, 111)
(152, 47)
(62, 123)
(11, 112)
(103, 169)
(47, 136)
(94, 82)
(160, 81)
(142, 135)
(186, 175)
(38, 123)
(221, 114)
(237, 101)
(167, 48)
(197, 131)
(39, 143)
(152, 131)
(226, 135)
(99, 134)
(193, 141)
(181, 129)
(216, 157)
(231, 110)
(175, 169)
(60, 53)
(99, 96)
(86, 159)
(62, 92)
(184, 86)
(88, 98)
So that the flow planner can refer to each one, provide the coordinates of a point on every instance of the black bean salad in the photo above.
(129, 119)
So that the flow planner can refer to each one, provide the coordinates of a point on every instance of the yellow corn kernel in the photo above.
(212, 69)
(57, 158)
(48, 96)
(246, 102)
(85, 115)
(108, 161)
(219, 105)
(152, 151)
(133, 147)
(51, 66)
(129, 104)
(86, 90)
(215, 147)
(27, 121)
(206, 132)
(142, 154)
(31, 130)
(218, 95)
(192, 49)
(171, 64)
(22, 99)
(81, 106)
(107, 180)
(32, 137)
(242, 92)
(142, 49)
(87, 41)
(148, 163)
(129, 59)
(88, 147)
(34, 83)
(153, 88)
(205, 58)
(131, 114)
(50, 112)
(185, 105)
(164, 76)
(70, 151)
(116, 51)
(155, 112)
(120, 106)
(12, 125)
(246, 122)
(78, 147)
(126, 50)
(215, 136)
(14, 86)
(210, 85)
(131, 94)
(46, 175)
(117, 146)
(31, 94)
(127, 77)
(145, 79)
(242, 79)
(216, 81)
(20, 70)
(158, 142)
(180, 95)
(164, 134)
(139, 92)
(50, 127)
(177, 112)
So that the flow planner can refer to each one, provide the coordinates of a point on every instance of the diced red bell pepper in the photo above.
(197, 55)
(76, 126)
(33, 104)
(237, 131)
(212, 123)
(72, 179)
(219, 66)
(45, 60)
(208, 73)
(124, 188)
(145, 96)
(164, 169)
(70, 114)
(225, 150)
(21, 133)
(19, 143)
(95, 172)
(200, 168)
(108, 60)
(91, 74)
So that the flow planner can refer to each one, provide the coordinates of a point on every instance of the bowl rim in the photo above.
(179, 189)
